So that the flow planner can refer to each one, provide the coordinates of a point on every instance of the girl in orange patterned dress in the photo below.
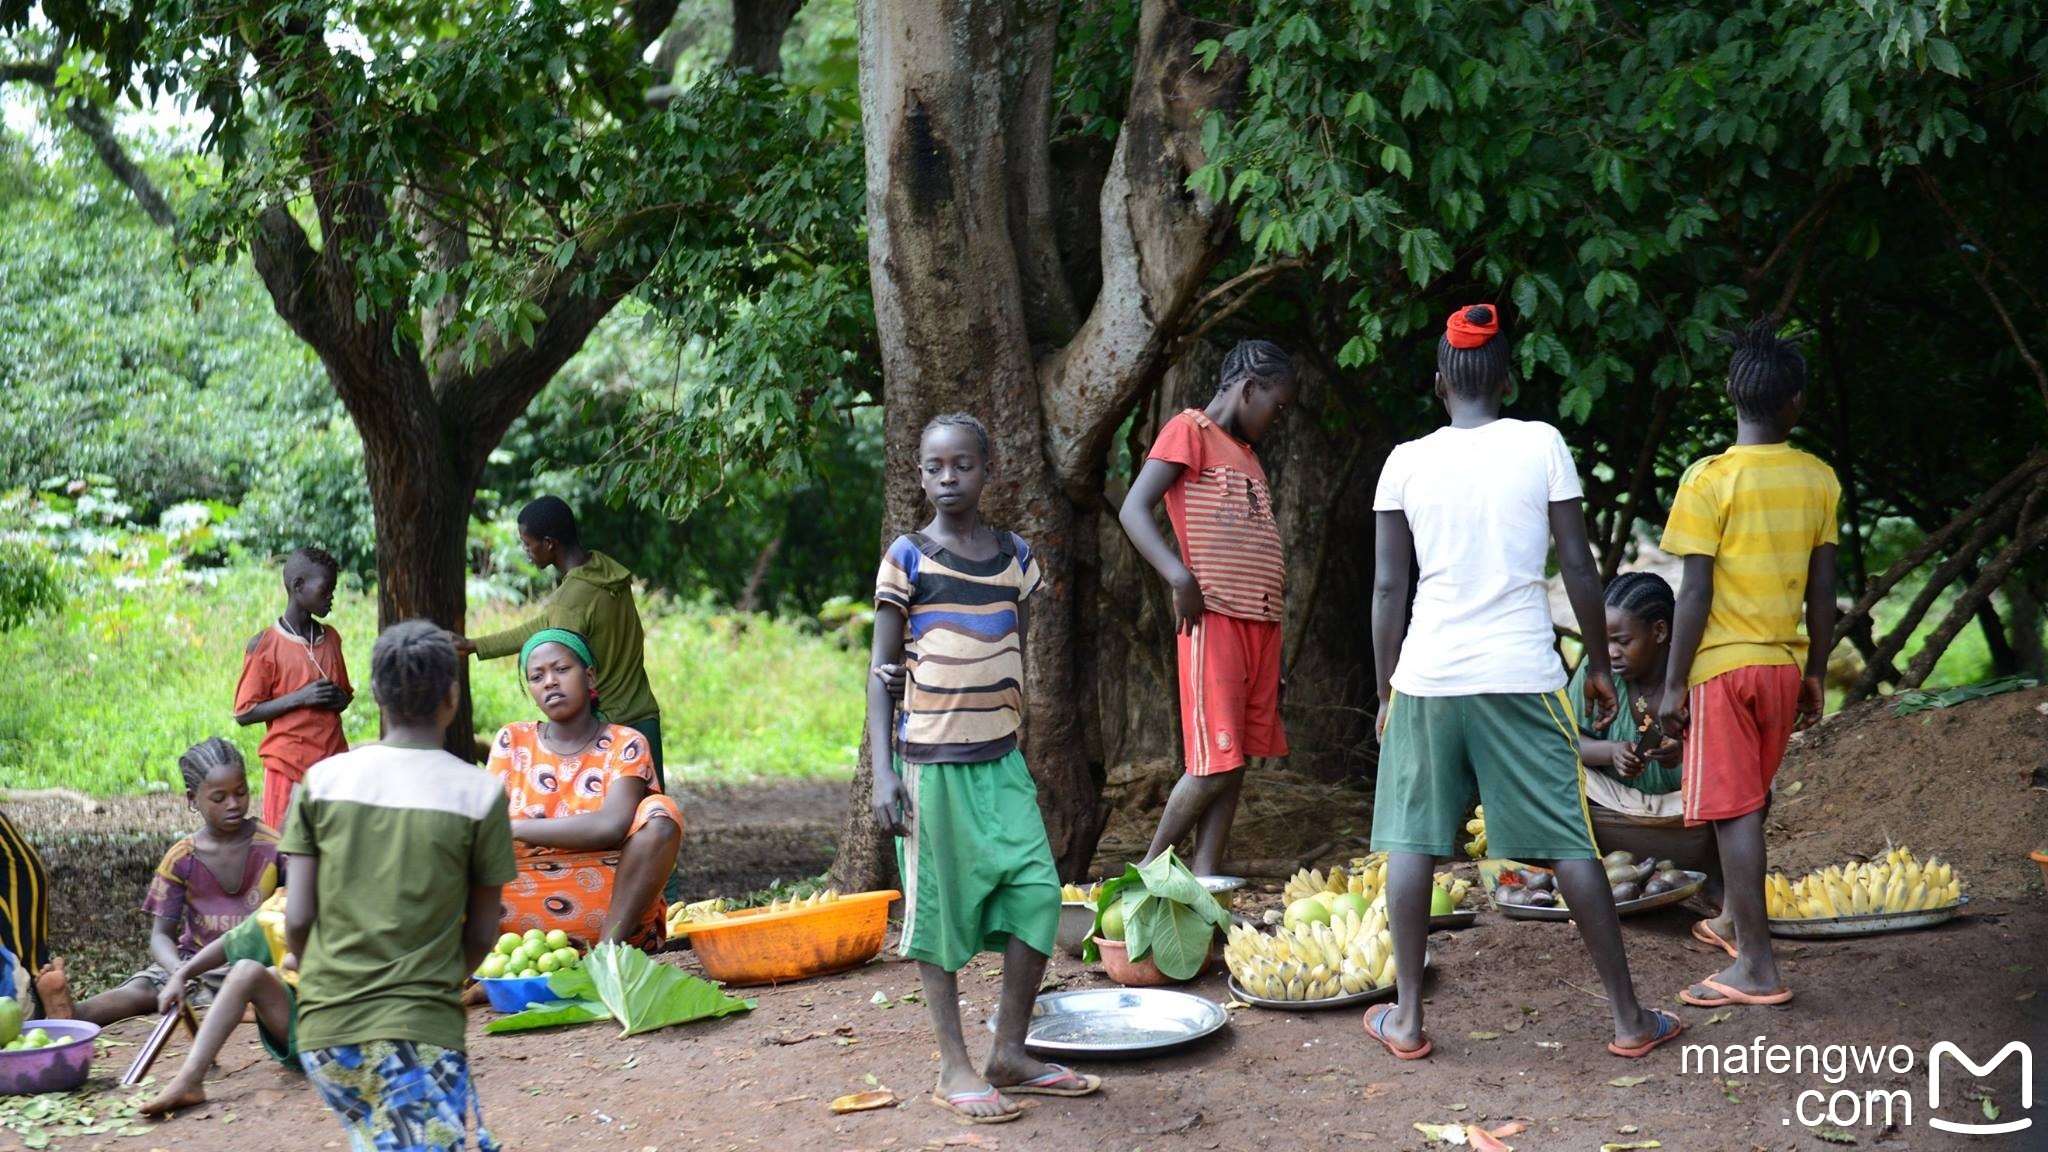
(595, 837)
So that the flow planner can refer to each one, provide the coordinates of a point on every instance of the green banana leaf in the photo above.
(1168, 915)
(552, 1014)
(643, 995)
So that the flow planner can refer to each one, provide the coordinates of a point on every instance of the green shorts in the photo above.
(1519, 750)
(977, 869)
(285, 1051)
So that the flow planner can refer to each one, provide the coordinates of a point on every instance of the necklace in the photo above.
(309, 643)
(549, 734)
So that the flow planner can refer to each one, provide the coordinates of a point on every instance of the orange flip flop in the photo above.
(1730, 995)
(1703, 931)
(1416, 1053)
(1669, 1027)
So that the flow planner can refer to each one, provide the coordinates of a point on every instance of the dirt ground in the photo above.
(1514, 1011)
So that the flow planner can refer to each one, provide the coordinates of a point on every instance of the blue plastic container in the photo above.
(513, 994)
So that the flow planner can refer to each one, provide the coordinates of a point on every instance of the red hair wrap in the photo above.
(1465, 329)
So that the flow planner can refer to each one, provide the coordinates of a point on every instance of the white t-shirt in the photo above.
(1478, 503)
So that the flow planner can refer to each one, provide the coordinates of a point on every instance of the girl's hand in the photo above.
(1627, 764)
(1674, 713)
(1188, 604)
(891, 803)
(1668, 753)
(1813, 696)
(289, 962)
(167, 1001)
(892, 678)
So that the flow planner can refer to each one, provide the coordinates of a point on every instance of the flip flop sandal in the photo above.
(1061, 1081)
(1669, 1027)
(1416, 1053)
(953, 1104)
(1730, 995)
(1703, 931)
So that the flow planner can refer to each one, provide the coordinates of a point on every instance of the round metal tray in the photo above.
(1624, 908)
(1118, 1021)
(1463, 918)
(1868, 924)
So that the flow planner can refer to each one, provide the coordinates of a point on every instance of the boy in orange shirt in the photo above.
(1756, 526)
(294, 681)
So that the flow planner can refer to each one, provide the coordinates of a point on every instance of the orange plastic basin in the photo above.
(756, 946)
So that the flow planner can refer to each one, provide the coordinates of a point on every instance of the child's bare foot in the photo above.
(972, 1097)
(54, 991)
(175, 1095)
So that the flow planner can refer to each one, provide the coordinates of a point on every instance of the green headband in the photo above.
(562, 636)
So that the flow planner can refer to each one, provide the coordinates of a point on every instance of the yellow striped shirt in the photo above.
(1759, 510)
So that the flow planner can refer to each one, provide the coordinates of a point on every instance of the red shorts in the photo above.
(1230, 693)
(277, 795)
(1741, 722)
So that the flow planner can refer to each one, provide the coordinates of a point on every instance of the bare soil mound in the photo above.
(1969, 783)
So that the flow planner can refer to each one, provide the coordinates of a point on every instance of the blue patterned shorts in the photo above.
(399, 1096)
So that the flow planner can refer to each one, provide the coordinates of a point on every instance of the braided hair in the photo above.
(411, 666)
(1765, 372)
(550, 518)
(1645, 596)
(1471, 373)
(204, 759)
(960, 420)
(1260, 360)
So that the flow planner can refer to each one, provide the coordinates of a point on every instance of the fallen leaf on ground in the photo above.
(1485, 1035)
(1628, 1130)
(1483, 1141)
(1442, 1133)
(864, 1101)
(1511, 1128)
(880, 1000)
(1377, 1089)
(1632, 1146)
(1456, 1107)
(1835, 1136)
(1628, 1081)
(1719, 1017)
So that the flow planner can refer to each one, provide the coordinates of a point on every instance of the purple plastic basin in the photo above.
(59, 1068)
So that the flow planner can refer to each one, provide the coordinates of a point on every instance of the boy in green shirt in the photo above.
(399, 853)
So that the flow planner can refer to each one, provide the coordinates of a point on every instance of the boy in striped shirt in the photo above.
(1227, 583)
(1756, 526)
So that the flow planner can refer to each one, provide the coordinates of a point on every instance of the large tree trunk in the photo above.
(945, 85)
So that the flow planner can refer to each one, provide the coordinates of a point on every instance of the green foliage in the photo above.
(140, 662)
(642, 995)
(112, 364)
(28, 584)
(1167, 914)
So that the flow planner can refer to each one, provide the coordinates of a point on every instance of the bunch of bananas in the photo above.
(1348, 955)
(1895, 883)
(1450, 883)
(1077, 893)
(1365, 877)
(683, 917)
(827, 896)
(1476, 828)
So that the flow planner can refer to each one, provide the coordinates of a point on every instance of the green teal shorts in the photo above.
(1519, 750)
(977, 869)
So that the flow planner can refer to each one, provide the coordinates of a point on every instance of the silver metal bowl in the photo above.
(1114, 1022)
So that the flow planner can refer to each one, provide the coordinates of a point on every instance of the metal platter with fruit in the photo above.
(1523, 892)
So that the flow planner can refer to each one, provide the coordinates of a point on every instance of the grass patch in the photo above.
(103, 697)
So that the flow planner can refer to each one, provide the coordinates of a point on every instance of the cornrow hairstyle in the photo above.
(1645, 596)
(550, 518)
(960, 420)
(411, 666)
(1765, 372)
(205, 758)
(1260, 360)
(311, 557)
(1471, 373)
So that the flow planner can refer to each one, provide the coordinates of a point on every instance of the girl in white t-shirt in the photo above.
(1471, 688)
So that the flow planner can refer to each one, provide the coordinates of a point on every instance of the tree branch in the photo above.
(758, 27)
(1983, 282)
(1159, 243)
(93, 124)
